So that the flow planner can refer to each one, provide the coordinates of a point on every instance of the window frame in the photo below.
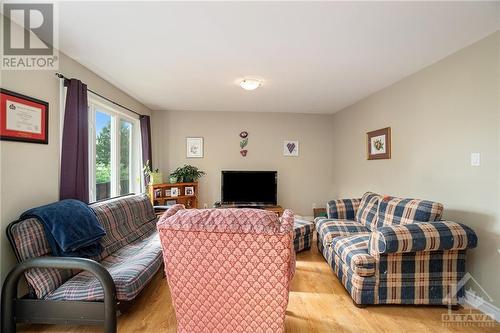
(117, 114)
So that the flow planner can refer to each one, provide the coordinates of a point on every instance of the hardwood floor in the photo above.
(318, 303)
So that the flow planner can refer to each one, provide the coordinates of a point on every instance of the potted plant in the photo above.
(187, 173)
(155, 177)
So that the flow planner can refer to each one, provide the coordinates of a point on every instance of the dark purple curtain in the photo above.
(74, 182)
(146, 143)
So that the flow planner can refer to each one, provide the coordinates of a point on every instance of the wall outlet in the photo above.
(205, 205)
(475, 159)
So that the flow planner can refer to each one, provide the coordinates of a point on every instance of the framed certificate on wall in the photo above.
(23, 118)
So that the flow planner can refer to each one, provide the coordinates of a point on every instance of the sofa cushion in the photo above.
(342, 208)
(353, 251)
(328, 229)
(395, 211)
(131, 268)
(125, 219)
(367, 211)
(422, 236)
(30, 242)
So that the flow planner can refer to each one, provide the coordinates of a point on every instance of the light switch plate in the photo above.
(475, 159)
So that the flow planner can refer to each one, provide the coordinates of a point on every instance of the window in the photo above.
(114, 151)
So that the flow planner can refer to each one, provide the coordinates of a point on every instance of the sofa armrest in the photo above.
(422, 236)
(287, 220)
(342, 208)
(319, 218)
(169, 212)
(9, 288)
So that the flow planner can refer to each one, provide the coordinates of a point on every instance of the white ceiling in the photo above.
(313, 57)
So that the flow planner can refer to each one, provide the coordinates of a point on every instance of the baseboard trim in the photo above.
(481, 304)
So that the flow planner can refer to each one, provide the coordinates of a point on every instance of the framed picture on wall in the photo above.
(379, 144)
(290, 148)
(23, 118)
(194, 147)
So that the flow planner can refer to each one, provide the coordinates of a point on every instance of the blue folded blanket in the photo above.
(71, 228)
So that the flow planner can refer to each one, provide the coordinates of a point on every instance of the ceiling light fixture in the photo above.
(250, 84)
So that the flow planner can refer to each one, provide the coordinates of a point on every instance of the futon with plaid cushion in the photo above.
(131, 253)
(388, 250)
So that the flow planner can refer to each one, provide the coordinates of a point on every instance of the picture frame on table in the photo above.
(189, 190)
(23, 118)
(157, 193)
(168, 193)
(174, 192)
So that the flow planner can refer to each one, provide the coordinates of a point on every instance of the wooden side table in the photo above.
(276, 209)
(317, 212)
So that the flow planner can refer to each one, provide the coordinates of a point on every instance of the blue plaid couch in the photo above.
(388, 250)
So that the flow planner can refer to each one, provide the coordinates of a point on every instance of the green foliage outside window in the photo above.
(103, 153)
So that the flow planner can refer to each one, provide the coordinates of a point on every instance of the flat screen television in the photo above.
(252, 188)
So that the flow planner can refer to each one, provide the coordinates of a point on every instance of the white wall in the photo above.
(29, 173)
(302, 180)
(438, 117)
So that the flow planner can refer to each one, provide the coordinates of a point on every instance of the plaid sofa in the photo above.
(388, 250)
(131, 253)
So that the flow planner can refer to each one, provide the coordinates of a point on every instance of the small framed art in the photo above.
(194, 147)
(189, 190)
(379, 144)
(23, 118)
(290, 148)
(174, 192)
(157, 193)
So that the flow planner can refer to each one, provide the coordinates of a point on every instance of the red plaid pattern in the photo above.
(125, 219)
(131, 268)
(29, 238)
